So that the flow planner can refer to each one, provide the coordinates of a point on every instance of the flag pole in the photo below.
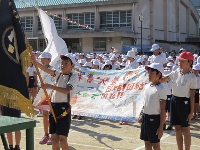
(41, 81)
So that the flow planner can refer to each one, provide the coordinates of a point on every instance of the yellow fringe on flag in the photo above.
(13, 99)
(25, 60)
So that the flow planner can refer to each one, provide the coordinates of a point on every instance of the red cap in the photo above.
(186, 55)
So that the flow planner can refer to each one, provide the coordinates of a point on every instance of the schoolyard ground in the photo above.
(98, 134)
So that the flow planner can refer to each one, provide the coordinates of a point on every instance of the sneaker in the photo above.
(49, 142)
(124, 122)
(170, 127)
(16, 148)
(39, 114)
(120, 123)
(80, 118)
(74, 117)
(44, 140)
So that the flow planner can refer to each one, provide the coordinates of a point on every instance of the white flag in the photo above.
(56, 45)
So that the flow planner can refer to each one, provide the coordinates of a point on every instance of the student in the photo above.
(182, 102)
(65, 86)
(196, 69)
(154, 113)
(32, 81)
(45, 58)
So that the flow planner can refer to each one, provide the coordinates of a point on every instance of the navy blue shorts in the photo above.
(62, 126)
(167, 108)
(149, 127)
(180, 109)
(6, 111)
(197, 96)
(31, 82)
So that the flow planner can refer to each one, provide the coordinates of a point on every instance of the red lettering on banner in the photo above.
(113, 82)
(137, 86)
(118, 87)
(104, 96)
(109, 88)
(79, 77)
(112, 96)
(120, 94)
(124, 86)
(90, 78)
(142, 86)
(129, 86)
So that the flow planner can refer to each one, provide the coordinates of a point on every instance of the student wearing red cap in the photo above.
(182, 102)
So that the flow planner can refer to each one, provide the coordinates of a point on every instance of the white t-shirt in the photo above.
(168, 87)
(132, 65)
(31, 70)
(115, 66)
(198, 82)
(63, 82)
(158, 59)
(182, 83)
(153, 95)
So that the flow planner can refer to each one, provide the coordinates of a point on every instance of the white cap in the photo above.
(166, 72)
(45, 55)
(196, 67)
(108, 62)
(81, 53)
(134, 49)
(182, 49)
(154, 47)
(131, 54)
(170, 64)
(88, 64)
(69, 56)
(156, 66)
(95, 62)
(81, 61)
(115, 50)
(169, 58)
(89, 56)
(140, 60)
(112, 58)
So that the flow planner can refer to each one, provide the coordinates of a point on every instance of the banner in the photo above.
(113, 94)
(14, 59)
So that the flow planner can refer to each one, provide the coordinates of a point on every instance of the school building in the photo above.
(170, 23)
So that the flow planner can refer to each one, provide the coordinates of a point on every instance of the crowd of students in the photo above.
(172, 94)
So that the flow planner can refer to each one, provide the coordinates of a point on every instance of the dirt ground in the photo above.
(97, 134)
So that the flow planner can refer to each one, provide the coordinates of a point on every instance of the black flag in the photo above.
(13, 58)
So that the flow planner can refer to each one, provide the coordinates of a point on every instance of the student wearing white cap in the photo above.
(196, 69)
(107, 65)
(45, 58)
(88, 65)
(157, 57)
(115, 65)
(182, 102)
(154, 113)
(131, 63)
(95, 64)
(62, 92)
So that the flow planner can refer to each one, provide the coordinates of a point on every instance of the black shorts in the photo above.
(149, 127)
(62, 126)
(167, 108)
(197, 96)
(180, 109)
(31, 82)
(6, 111)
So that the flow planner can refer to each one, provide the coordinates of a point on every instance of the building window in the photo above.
(27, 23)
(115, 19)
(42, 45)
(100, 44)
(86, 19)
(57, 22)
(39, 25)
